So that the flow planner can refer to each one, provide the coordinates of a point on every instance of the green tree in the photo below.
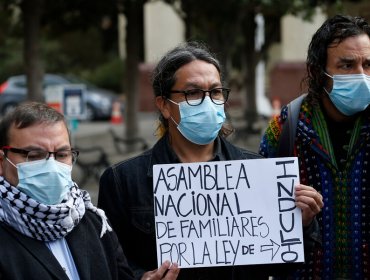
(51, 26)
(11, 43)
(58, 32)
(134, 12)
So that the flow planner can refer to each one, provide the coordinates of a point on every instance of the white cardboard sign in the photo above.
(228, 213)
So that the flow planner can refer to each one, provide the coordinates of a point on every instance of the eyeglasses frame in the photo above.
(74, 152)
(187, 92)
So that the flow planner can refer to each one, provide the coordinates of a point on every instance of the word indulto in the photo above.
(287, 216)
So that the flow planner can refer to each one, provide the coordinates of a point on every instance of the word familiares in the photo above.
(217, 227)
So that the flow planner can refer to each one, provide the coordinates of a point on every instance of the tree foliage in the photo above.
(76, 37)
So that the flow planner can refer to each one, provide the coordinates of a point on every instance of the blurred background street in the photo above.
(92, 59)
(100, 135)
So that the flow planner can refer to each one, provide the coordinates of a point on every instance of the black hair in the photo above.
(332, 31)
(164, 73)
(26, 115)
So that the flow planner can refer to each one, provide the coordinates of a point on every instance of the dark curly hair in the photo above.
(332, 31)
(164, 73)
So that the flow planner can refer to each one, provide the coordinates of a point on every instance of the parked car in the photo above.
(98, 101)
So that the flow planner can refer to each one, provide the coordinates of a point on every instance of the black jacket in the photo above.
(22, 257)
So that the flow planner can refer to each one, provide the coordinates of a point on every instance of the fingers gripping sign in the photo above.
(310, 201)
(166, 271)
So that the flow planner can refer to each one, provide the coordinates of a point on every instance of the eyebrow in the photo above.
(346, 60)
(36, 148)
(31, 148)
(196, 85)
(351, 60)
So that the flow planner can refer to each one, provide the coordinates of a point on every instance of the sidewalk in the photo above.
(90, 134)
(98, 134)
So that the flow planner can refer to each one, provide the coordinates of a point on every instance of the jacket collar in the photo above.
(162, 153)
(308, 133)
(40, 252)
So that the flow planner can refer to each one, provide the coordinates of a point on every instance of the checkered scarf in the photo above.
(45, 222)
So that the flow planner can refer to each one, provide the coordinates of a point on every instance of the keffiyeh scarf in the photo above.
(45, 222)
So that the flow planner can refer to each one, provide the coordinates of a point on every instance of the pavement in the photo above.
(90, 137)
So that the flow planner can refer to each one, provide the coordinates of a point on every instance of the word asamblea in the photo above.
(204, 177)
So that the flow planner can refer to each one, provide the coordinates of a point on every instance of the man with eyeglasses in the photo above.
(190, 96)
(49, 228)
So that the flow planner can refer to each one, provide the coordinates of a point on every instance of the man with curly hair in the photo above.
(332, 145)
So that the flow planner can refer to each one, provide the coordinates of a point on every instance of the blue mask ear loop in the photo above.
(177, 105)
(329, 77)
(9, 161)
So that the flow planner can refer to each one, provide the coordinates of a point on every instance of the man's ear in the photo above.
(162, 106)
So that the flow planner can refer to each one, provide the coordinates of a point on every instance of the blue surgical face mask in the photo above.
(350, 93)
(46, 181)
(200, 124)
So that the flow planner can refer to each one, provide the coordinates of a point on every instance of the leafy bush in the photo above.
(108, 75)
(11, 55)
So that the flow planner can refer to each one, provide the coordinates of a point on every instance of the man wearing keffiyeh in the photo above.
(49, 229)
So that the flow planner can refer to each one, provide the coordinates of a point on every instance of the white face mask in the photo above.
(350, 93)
(47, 181)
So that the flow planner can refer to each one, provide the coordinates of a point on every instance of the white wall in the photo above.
(297, 34)
(164, 30)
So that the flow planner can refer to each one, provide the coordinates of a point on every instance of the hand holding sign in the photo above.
(310, 201)
(165, 272)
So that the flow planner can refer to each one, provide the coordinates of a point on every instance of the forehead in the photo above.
(351, 48)
(196, 72)
(43, 135)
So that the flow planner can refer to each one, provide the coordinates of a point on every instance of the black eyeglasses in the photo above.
(196, 96)
(64, 156)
